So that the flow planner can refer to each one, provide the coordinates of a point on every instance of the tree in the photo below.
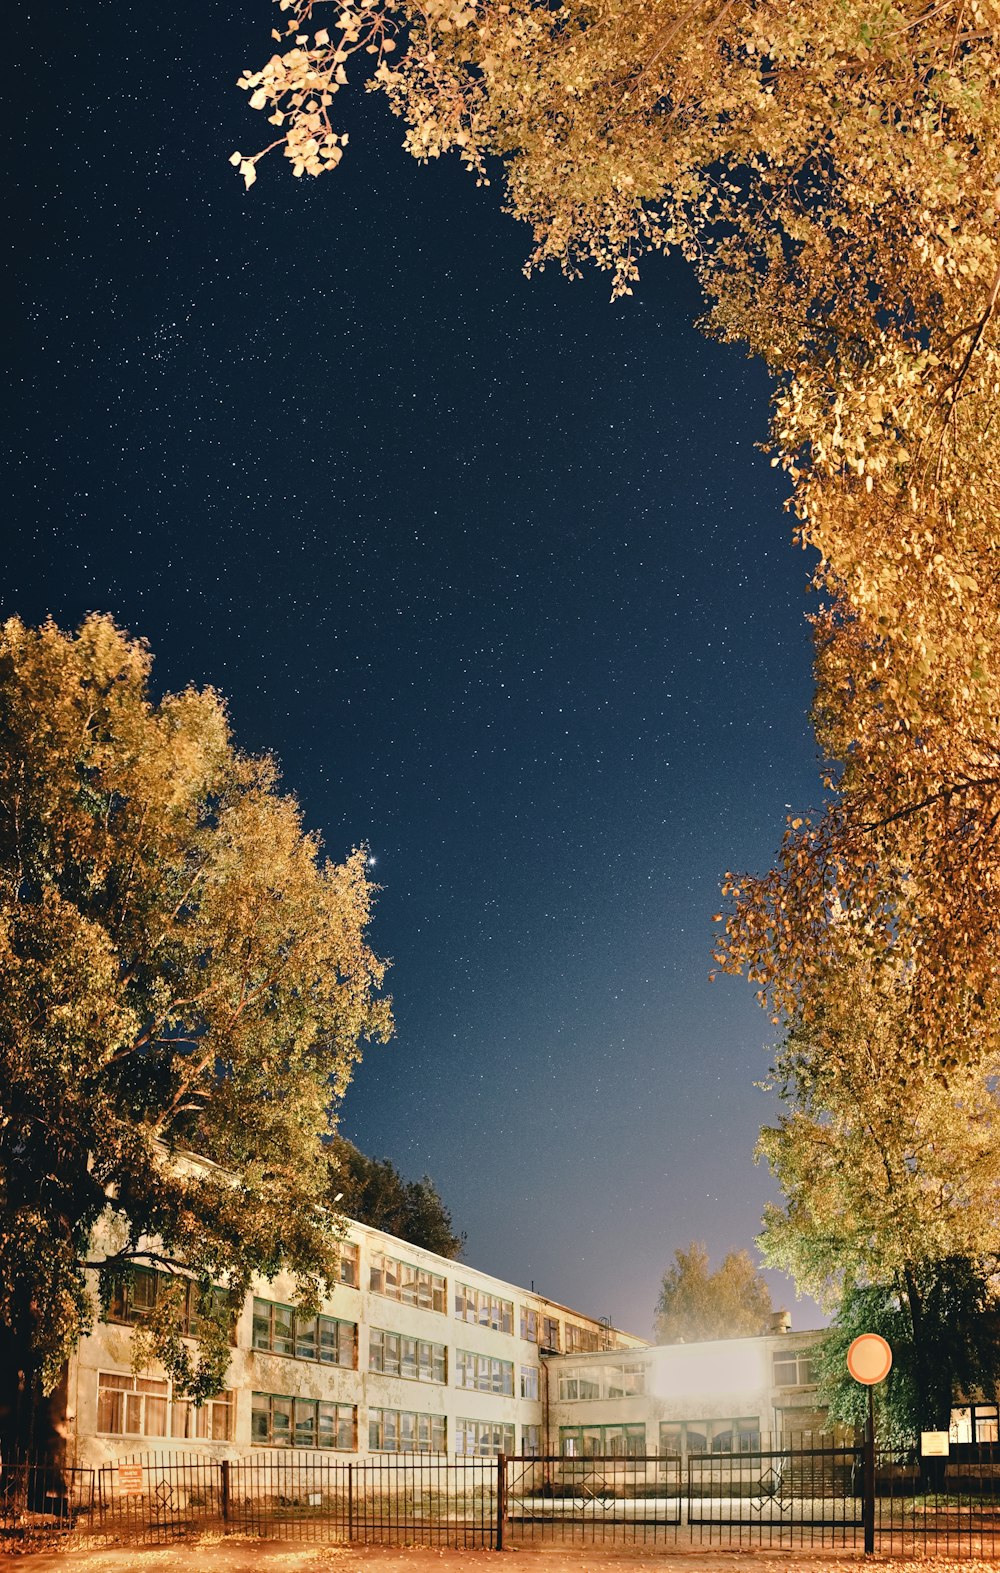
(891, 1175)
(373, 1191)
(696, 1304)
(833, 175)
(181, 971)
(953, 1351)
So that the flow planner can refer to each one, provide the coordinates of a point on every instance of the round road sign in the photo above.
(869, 1359)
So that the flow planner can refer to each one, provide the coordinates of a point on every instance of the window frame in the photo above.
(306, 1417)
(405, 1425)
(428, 1357)
(323, 1326)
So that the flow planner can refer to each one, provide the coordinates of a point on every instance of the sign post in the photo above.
(869, 1360)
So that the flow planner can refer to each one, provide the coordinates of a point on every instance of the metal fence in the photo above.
(591, 1499)
(783, 1493)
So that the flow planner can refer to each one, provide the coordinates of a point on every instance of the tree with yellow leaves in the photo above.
(833, 175)
(182, 971)
(891, 1179)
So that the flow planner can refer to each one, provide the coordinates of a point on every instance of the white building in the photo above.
(413, 1354)
(716, 1397)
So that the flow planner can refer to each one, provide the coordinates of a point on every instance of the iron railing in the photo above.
(591, 1499)
(788, 1492)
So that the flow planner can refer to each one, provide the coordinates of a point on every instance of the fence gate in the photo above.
(806, 1493)
(590, 1499)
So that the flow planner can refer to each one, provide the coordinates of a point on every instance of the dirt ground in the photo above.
(262, 1556)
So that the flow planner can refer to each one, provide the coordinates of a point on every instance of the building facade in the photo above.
(412, 1354)
(715, 1397)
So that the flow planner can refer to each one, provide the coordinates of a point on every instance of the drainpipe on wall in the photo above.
(546, 1440)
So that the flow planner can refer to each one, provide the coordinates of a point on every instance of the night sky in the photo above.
(492, 566)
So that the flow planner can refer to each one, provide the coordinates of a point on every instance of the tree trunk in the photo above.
(33, 1428)
(932, 1470)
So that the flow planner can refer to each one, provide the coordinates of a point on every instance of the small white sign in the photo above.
(934, 1444)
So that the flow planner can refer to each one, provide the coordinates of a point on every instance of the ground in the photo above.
(268, 1556)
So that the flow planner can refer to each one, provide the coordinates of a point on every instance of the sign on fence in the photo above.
(130, 1480)
(934, 1444)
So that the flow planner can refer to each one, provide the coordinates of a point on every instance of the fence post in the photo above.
(868, 1512)
(501, 1498)
(224, 1489)
(350, 1501)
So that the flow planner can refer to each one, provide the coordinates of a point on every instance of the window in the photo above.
(135, 1297)
(529, 1381)
(550, 1334)
(794, 1368)
(212, 1422)
(280, 1421)
(399, 1431)
(743, 1436)
(484, 1373)
(281, 1331)
(977, 1423)
(680, 1438)
(582, 1384)
(483, 1438)
(581, 1340)
(529, 1325)
(130, 1405)
(408, 1284)
(624, 1381)
(602, 1441)
(350, 1264)
(531, 1441)
(483, 1309)
(396, 1355)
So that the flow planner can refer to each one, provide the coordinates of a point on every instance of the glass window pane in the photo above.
(283, 1342)
(281, 1421)
(261, 1324)
(142, 1291)
(306, 1347)
(260, 1418)
(221, 1409)
(110, 1410)
(305, 1422)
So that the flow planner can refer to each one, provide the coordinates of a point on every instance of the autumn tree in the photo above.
(833, 175)
(182, 970)
(373, 1191)
(891, 1175)
(697, 1304)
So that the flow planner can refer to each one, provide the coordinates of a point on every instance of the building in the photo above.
(716, 1397)
(413, 1354)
